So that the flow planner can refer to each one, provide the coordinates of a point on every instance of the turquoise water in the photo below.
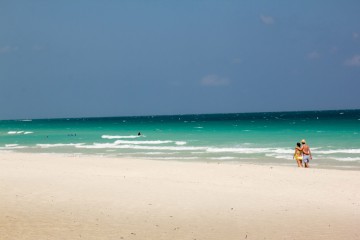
(262, 138)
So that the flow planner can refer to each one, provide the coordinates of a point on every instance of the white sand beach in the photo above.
(53, 196)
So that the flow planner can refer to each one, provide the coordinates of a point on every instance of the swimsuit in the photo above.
(306, 158)
(298, 155)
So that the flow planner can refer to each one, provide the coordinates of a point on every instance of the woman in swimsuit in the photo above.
(298, 155)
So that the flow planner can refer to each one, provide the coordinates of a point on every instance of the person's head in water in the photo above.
(298, 144)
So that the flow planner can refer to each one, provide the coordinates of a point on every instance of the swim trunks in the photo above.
(306, 158)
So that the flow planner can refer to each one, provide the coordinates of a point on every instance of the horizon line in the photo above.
(180, 114)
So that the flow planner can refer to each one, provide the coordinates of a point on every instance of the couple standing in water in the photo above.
(302, 154)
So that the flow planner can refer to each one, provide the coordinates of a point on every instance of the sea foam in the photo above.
(142, 142)
(346, 159)
(12, 146)
(118, 137)
(59, 145)
(351, 151)
(19, 132)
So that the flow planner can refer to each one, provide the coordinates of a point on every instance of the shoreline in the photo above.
(291, 163)
(52, 196)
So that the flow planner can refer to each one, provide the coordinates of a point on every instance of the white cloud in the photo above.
(8, 49)
(214, 80)
(353, 62)
(267, 20)
(313, 55)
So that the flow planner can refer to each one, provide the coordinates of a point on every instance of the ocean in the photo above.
(258, 138)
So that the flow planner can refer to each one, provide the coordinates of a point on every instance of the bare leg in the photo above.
(299, 163)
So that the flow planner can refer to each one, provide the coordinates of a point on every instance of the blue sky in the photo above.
(117, 58)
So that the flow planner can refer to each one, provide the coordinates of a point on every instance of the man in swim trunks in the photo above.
(306, 153)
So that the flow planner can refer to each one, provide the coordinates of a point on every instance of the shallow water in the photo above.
(262, 138)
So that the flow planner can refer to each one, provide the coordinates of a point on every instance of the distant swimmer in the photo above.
(139, 133)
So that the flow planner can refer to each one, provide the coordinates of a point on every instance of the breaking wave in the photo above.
(118, 137)
(19, 132)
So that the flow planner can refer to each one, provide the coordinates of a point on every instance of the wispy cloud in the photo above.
(8, 49)
(333, 50)
(237, 61)
(356, 35)
(353, 62)
(267, 20)
(313, 55)
(214, 80)
(38, 48)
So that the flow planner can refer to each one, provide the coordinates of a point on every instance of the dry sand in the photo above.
(49, 196)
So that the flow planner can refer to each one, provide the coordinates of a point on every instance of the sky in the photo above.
(89, 58)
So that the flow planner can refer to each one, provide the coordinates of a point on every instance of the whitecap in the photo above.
(238, 150)
(142, 142)
(282, 151)
(15, 132)
(278, 156)
(353, 151)
(176, 158)
(19, 132)
(118, 137)
(180, 143)
(139, 147)
(346, 159)
(199, 127)
(99, 146)
(222, 158)
(12, 146)
(59, 145)
(155, 153)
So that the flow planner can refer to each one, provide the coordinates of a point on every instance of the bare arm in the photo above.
(294, 153)
(297, 148)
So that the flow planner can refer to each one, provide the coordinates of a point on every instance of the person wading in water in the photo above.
(306, 153)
